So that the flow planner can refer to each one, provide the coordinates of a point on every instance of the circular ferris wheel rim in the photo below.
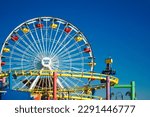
(35, 18)
(50, 20)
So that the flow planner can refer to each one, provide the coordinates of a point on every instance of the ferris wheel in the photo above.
(46, 43)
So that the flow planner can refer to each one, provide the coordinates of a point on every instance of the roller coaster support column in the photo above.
(107, 88)
(10, 80)
(54, 85)
(132, 89)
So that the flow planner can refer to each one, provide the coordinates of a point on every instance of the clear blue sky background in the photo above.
(116, 28)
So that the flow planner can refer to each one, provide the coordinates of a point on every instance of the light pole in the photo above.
(108, 71)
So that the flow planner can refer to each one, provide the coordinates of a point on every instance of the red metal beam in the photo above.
(55, 85)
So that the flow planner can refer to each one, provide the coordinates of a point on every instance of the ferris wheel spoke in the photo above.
(51, 32)
(16, 58)
(71, 56)
(26, 67)
(71, 67)
(42, 38)
(46, 38)
(60, 45)
(65, 52)
(21, 51)
(76, 64)
(42, 50)
(27, 55)
(49, 82)
(42, 82)
(28, 45)
(75, 59)
(34, 83)
(18, 83)
(28, 81)
(57, 43)
(54, 38)
(64, 82)
(70, 81)
(47, 85)
(34, 40)
(39, 84)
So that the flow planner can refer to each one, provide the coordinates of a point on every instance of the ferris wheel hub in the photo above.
(46, 62)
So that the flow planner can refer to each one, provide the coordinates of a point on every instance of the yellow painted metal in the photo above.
(25, 30)
(53, 26)
(92, 64)
(3, 75)
(86, 89)
(64, 90)
(78, 38)
(109, 61)
(73, 96)
(6, 50)
(86, 75)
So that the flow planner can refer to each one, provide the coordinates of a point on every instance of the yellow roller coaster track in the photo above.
(75, 74)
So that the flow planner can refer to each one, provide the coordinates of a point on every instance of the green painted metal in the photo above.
(122, 86)
(133, 90)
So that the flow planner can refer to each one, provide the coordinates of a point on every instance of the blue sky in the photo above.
(116, 28)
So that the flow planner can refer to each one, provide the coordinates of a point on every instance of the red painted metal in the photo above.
(54, 85)
(67, 30)
(39, 25)
(87, 50)
(37, 97)
(15, 38)
(3, 80)
(3, 63)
